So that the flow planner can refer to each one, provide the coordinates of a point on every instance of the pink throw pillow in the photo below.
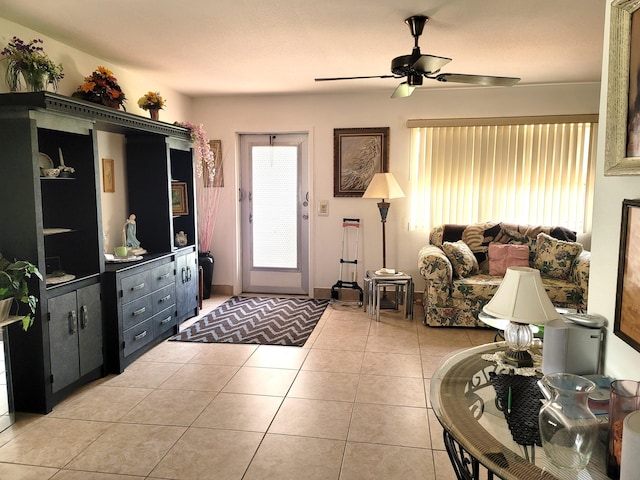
(503, 256)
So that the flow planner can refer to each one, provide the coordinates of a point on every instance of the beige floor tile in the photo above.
(430, 364)
(394, 326)
(162, 407)
(52, 442)
(407, 346)
(209, 453)
(128, 449)
(347, 325)
(236, 411)
(330, 341)
(427, 391)
(26, 472)
(192, 376)
(389, 425)
(435, 431)
(107, 404)
(275, 356)
(172, 352)
(333, 361)
(395, 364)
(405, 391)
(261, 381)
(224, 354)
(365, 461)
(292, 458)
(444, 470)
(80, 475)
(325, 386)
(143, 374)
(313, 418)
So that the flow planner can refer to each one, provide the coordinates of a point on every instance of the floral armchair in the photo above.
(459, 268)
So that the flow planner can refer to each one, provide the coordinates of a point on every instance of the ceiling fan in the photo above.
(417, 66)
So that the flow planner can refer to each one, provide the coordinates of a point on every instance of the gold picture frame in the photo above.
(627, 320)
(622, 148)
(358, 153)
(179, 203)
(108, 176)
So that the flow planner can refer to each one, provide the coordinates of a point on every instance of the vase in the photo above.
(154, 113)
(624, 398)
(205, 260)
(568, 428)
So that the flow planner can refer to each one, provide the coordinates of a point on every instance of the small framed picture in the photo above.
(108, 180)
(179, 202)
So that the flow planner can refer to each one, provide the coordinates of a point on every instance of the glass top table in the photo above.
(476, 432)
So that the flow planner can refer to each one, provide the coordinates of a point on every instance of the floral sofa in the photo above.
(463, 266)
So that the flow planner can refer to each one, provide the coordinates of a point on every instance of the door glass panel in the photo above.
(274, 173)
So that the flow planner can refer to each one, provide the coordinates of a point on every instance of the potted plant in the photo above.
(101, 87)
(28, 62)
(153, 102)
(14, 287)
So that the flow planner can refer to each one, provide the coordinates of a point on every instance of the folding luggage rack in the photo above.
(350, 228)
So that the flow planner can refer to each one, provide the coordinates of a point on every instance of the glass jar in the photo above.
(624, 399)
(568, 428)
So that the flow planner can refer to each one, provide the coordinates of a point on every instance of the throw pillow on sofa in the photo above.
(462, 259)
(554, 258)
(503, 256)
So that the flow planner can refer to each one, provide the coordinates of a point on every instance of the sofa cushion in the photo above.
(462, 259)
(503, 256)
(554, 258)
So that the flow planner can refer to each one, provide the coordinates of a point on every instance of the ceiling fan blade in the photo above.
(403, 90)
(353, 78)
(430, 63)
(477, 79)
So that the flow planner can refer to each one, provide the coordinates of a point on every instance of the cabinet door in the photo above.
(186, 284)
(63, 335)
(90, 328)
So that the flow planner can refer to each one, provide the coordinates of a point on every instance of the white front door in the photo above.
(275, 211)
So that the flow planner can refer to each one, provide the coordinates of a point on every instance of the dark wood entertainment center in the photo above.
(109, 314)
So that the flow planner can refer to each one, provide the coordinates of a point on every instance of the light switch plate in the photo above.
(323, 208)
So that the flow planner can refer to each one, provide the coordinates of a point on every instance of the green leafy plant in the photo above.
(13, 284)
(36, 67)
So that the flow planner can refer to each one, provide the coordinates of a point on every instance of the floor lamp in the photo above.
(383, 186)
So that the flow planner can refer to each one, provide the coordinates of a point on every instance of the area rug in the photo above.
(257, 320)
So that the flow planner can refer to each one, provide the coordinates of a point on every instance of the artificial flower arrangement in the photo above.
(101, 87)
(28, 60)
(151, 101)
(203, 153)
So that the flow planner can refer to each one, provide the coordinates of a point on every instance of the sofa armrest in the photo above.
(580, 274)
(436, 269)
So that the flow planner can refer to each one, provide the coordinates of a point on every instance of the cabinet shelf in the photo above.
(56, 231)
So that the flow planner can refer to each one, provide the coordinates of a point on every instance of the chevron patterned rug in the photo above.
(258, 320)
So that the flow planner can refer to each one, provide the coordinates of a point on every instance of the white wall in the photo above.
(621, 361)
(225, 117)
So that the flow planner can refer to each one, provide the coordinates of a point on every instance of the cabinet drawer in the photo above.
(164, 321)
(135, 286)
(163, 275)
(137, 311)
(137, 336)
(164, 298)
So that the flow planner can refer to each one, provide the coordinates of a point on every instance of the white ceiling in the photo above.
(223, 47)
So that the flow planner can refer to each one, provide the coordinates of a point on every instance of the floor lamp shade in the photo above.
(383, 186)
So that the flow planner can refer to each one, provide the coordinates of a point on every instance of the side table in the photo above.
(376, 286)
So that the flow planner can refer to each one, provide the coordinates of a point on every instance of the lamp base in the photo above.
(518, 358)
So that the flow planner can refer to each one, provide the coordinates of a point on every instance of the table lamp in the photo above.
(383, 185)
(521, 299)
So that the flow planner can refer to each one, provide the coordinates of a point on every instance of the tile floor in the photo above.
(353, 403)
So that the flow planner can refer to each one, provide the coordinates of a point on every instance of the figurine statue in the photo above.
(129, 237)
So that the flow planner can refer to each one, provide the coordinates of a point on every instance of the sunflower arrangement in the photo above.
(151, 101)
(101, 87)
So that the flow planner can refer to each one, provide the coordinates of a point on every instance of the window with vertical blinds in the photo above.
(531, 170)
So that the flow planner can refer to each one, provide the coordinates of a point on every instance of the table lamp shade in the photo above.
(383, 185)
(522, 298)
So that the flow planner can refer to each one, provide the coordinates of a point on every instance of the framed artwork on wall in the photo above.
(627, 321)
(622, 151)
(358, 153)
(108, 180)
(179, 202)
